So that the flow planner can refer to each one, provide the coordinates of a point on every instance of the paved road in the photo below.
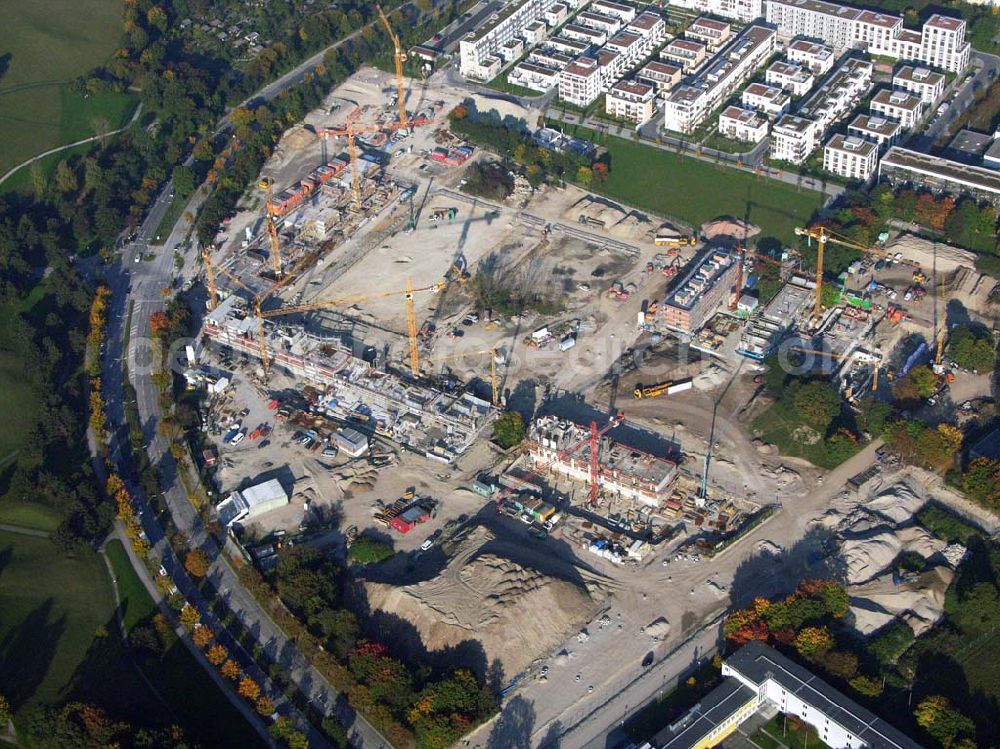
(74, 144)
(988, 68)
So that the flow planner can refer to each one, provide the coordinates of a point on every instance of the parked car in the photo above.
(427, 544)
(240, 436)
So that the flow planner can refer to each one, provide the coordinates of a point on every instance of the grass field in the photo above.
(24, 515)
(793, 735)
(782, 427)
(18, 406)
(51, 42)
(694, 191)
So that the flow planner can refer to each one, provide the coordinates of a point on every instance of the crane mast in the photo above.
(399, 57)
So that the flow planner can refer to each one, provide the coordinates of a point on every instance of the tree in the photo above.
(866, 685)
(217, 655)
(813, 642)
(6, 712)
(189, 616)
(981, 481)
(937, 716)
(367, 550)
(248, 689)
(972, 351)
(202, 636)
(65, 177)
(841, 664)
(264, 707)
(231, 670)
(817, 403)
(924, 380)
(159, 324)
(196, 563)
(509, 430)
(183, 179)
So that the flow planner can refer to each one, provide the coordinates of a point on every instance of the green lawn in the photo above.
(694, 191)
(780, 426)
(25, 515)
(51, 42)
(51, 609)
(194, 698)
(792, 734)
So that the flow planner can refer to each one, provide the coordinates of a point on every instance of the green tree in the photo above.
(367, 550)
(509, 429)
(817, 403)
(65, 177)
(972, 351)
(6, 713)
(981, 481)
(924, 380)
(813, 642)
(937, 716)
(841, 664)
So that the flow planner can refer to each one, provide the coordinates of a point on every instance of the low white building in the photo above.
(744, 125)
(479, 50)
(925, 83)
(550, 58)
(535, 77)
(877, 129)
(608, 24)
(902, 106)
(512, 50)
(632, 100)
(567, 46)
(851, 157)
(651, 27)
(593, 37)
(580, 82)
(663, 75)
(630, 46)
(841, 92)
(794, 138)
(556, 15)
(770, 100)
(687, 53)
(622, 12)
(351, 442)
(251, 503)
(794, 78)
(710, 31)
(819, 58)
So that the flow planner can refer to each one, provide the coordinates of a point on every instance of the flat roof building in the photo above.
(770, 100)
(712, 32)
(580, 33)
(902, 106)
(607, 24)
(903, 166)
(532, 76)
(968, 146)
(624, 13)
(704, 287)
(631, 100)
(841, 92)
(925, 83)
(567, 46)
(819, 58)
(480, 49)
(687, 53)
(876, 129)
(793, 138)
(252, 502)
(740, 10)
(850, 156)
(580, 82)
(663, 75)
(794, 78)
(744, 125)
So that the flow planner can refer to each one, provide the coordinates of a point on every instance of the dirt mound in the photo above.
(297, 138)
(874, 550)
(605, 214)
(729, 228)
(515, 611)
(917, 599)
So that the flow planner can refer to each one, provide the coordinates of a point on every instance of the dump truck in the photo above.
(667, 387)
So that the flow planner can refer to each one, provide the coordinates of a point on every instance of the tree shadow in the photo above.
(5, 556)
(514, 726)
(27, 651)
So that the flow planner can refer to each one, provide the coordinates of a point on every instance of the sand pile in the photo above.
(918, 600)
(729, 228)
(515, 611)
(873, 550)
(360, 477)
(296, 138)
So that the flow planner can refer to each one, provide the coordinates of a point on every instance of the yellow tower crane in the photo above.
(494, 388)
(213, 289)
(400, 57)
(272, 234)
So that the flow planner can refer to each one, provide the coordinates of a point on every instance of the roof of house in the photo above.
(713, 709)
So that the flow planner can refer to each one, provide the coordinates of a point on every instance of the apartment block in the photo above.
(632, 100)
(706, 286)
(771, 101)
(712, 32)
(479, 51)
(925, 83)
(819, 58)
(608, 24)
(794, 78)
(877, 129)
(689, 104)
(850, 156)
(745, 125)
(940, 42)
(631, 47)
(651, 27)
(512, 50)
(611, 66)
(566, 46)
(556, 15)
(625, 13)
(580, 82)
(575, 31)
(793, 138)
(839, 94)
(550, 58)
(902, 106)
(901, 166)
(739, 10)
(535, 77)
(663, 75)
(687, 53)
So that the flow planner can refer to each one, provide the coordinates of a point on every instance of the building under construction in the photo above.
(415, 415)
(623, 472)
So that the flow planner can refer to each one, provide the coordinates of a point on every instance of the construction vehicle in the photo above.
(682, 240)
(442, 214)
(399, 57)
(459, 271)
(919, 276)
(265, 183)
(667, 387)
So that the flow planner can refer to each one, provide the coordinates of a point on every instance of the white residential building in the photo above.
(512, 50)
(769, 100)
(663, 75)
(632, 100)
(689, 104)
(611, 65)
(594, 37)
(608, 24)
(631, 47)
(840, 93)
(556, 15)
(925, 83)
(795, 79)
(819, 58)
(744, 125)
(481, 47)
(535, 77)
(902, 106)
(619, 10)
(580, 82)
(550, 58)
(568, 46)
(534, 33)
(794, 138)
(851, 157)
(877, 129)
(687, 53)
(711, 31)
(651, 27)
(740, 10)
(941, 41)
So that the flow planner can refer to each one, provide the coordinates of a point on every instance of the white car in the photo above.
(427, 544)
(240, 436)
